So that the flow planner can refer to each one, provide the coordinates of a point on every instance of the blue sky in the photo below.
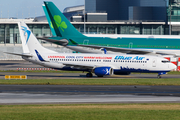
(31, 8)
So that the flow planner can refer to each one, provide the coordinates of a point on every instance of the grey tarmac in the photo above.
(55, 94)
(24, 98)
(41, 94)
(14, 64)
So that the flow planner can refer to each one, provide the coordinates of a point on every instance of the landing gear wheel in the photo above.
(159, 76)
(89, 75)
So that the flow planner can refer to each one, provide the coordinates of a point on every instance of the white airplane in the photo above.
(99, 64)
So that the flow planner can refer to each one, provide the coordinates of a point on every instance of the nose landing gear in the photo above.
(160, 73)
(159, 76)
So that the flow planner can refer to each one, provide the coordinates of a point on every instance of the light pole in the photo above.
(169, 14)
(176, 4)
(84, 17)
(170, 19)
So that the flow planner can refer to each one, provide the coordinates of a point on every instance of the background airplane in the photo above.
(66, 34)
(99, 64)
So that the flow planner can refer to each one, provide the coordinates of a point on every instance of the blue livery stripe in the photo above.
(39, 56)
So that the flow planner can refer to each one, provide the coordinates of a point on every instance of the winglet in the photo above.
(105, 51)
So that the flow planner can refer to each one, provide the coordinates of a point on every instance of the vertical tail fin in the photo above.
(30, 43)
(49, 21)
(58, 22)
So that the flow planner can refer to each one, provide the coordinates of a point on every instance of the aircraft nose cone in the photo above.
(172, 66)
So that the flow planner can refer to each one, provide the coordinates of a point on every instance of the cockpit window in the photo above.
(164, 61)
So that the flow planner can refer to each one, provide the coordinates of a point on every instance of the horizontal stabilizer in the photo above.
(62, 42)
(25, 55)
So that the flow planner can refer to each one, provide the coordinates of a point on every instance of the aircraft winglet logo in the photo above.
(26, 31)
(39, 56)
(59, 23)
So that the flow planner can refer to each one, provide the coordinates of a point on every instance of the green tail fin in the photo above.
(58, 22)
(49, 20)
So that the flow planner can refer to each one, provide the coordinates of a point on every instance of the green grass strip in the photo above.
(105, 81)
(91, 112)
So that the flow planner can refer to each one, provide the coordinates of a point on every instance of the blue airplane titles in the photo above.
(128, 58)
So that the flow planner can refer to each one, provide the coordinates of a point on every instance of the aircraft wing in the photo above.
(122, 50)
(25, 55)
(86, 66)
(64, 42)
(167, 53)
(130, 50)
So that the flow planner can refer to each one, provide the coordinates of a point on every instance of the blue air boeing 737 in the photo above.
(99, 64)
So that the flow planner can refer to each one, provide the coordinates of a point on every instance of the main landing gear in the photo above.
(89, 74)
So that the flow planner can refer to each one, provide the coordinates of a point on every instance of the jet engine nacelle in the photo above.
(63, 42)
(101, 71)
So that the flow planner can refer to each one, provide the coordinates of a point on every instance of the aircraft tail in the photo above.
(30, 43)
(49, 21)
(59, 24)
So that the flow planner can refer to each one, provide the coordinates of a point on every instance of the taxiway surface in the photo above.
(31, 94)
(24, 98)
(13, 65)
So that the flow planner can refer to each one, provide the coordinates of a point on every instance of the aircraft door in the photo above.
(85, 42)
(130, 45)
(154, 62)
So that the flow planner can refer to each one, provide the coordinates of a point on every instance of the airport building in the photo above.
(146, 17)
